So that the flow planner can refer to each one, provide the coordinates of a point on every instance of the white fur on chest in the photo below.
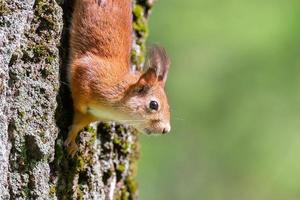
(105, 114)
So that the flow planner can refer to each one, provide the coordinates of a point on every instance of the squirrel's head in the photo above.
(146, 100)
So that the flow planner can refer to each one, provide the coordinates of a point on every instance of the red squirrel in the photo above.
(103, 86)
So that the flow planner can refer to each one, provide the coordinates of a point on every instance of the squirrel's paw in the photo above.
(71, 146)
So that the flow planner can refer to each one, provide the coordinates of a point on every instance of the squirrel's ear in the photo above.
(149, 77)
(158, 62)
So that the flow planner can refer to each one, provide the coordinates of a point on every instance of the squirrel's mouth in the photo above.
(151, 132)
(147, 131)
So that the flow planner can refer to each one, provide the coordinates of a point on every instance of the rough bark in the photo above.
(36, 111)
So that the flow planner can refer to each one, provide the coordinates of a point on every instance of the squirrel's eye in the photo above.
(153, 105)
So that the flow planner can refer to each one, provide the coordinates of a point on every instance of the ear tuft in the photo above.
(159, 61)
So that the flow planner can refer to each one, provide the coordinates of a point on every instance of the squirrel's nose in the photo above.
(167, 129)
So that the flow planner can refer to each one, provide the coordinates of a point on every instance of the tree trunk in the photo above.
(36, 111)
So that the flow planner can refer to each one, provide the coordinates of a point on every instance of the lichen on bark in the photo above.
(29, 57)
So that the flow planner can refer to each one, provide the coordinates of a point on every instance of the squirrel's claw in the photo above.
(71, 146)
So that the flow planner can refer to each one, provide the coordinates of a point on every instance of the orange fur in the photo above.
(100, 76)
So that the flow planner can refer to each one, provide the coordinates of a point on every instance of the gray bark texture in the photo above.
(36, 111)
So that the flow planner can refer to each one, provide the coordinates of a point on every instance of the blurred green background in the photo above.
(234, 90)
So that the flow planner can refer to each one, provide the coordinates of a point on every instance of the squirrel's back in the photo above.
(102, 28)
